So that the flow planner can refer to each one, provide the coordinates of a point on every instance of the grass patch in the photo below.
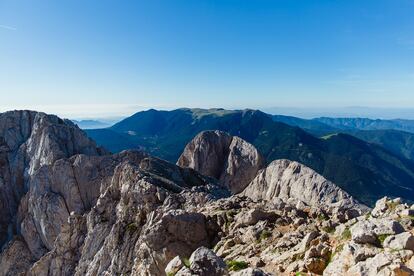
(328, 229)
(264, 235)
(382, 238)
(409, 217)
(322, 217)
(170, 274)
(338, 249)
(186, 262)
(132, 227)
(392, 205)
(346, 234)
(236, 265)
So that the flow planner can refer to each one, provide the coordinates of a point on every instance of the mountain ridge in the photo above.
(361, 166)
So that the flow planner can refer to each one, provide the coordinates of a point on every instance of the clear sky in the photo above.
(81, 58)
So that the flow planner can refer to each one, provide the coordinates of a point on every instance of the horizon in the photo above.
(304, 113)
(102, 58)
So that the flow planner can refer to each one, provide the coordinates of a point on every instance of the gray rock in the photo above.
(204, 262)
(363, 232)
(387, 227)
(287, 179)
(399, 242)
(380, 208)
(28, 141)
(251, 272)
(231, 160)
(174, 266)
(252, 216)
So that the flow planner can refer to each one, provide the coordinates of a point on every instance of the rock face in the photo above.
(284, 179)
(28, 141)
(72, 209)
(231, 160)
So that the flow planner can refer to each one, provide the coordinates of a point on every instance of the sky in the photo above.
(108, 58)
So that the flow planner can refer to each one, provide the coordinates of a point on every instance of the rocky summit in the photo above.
(71, 208)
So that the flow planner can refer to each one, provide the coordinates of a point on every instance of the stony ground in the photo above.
(264, 239)
(70, 208)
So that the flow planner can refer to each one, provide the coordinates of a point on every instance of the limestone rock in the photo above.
(363, 232)
(250, 272)
(28, 141)
(15, 258)
(204, 262)
(287, 179)
(399, 242)
(174, 266)
(231, 160)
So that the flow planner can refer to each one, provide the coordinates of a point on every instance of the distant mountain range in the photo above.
(366, 170)
(367, 124)
(396, 136)
(91, 124)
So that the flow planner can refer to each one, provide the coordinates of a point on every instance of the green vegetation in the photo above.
(328, 229)
(338, 249)
(322, 217)
(366, 171)
(170, 274)
(265, 234)
(132, 227)
(392, 205)
(236, 265)
(186, 261)
(346, 234)
(382, 238)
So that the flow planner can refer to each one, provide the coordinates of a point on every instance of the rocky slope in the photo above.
(81, 211)
(284, 179)
(282, 239)
(28, 141)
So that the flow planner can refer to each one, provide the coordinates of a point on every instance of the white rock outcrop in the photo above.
(230, 159)
(284, 179)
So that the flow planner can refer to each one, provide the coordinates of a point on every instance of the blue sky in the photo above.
(107, 58)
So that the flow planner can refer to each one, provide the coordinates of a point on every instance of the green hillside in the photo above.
(365, 170)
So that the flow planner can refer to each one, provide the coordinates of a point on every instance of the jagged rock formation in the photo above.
(231, 160)
(284, 179)
(380, 243)
(137, 224)
(236, 164)
(75, 210)
(29, 140)
(70, 205)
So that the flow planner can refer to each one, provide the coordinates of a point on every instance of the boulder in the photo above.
(363, 232)
(399, 242)
(250, 272)
(204, 262)
(174, 266)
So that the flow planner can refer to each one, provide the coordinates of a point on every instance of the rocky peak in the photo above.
(28, 141)
(231, 160)
(82, 212)
(289, 180)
